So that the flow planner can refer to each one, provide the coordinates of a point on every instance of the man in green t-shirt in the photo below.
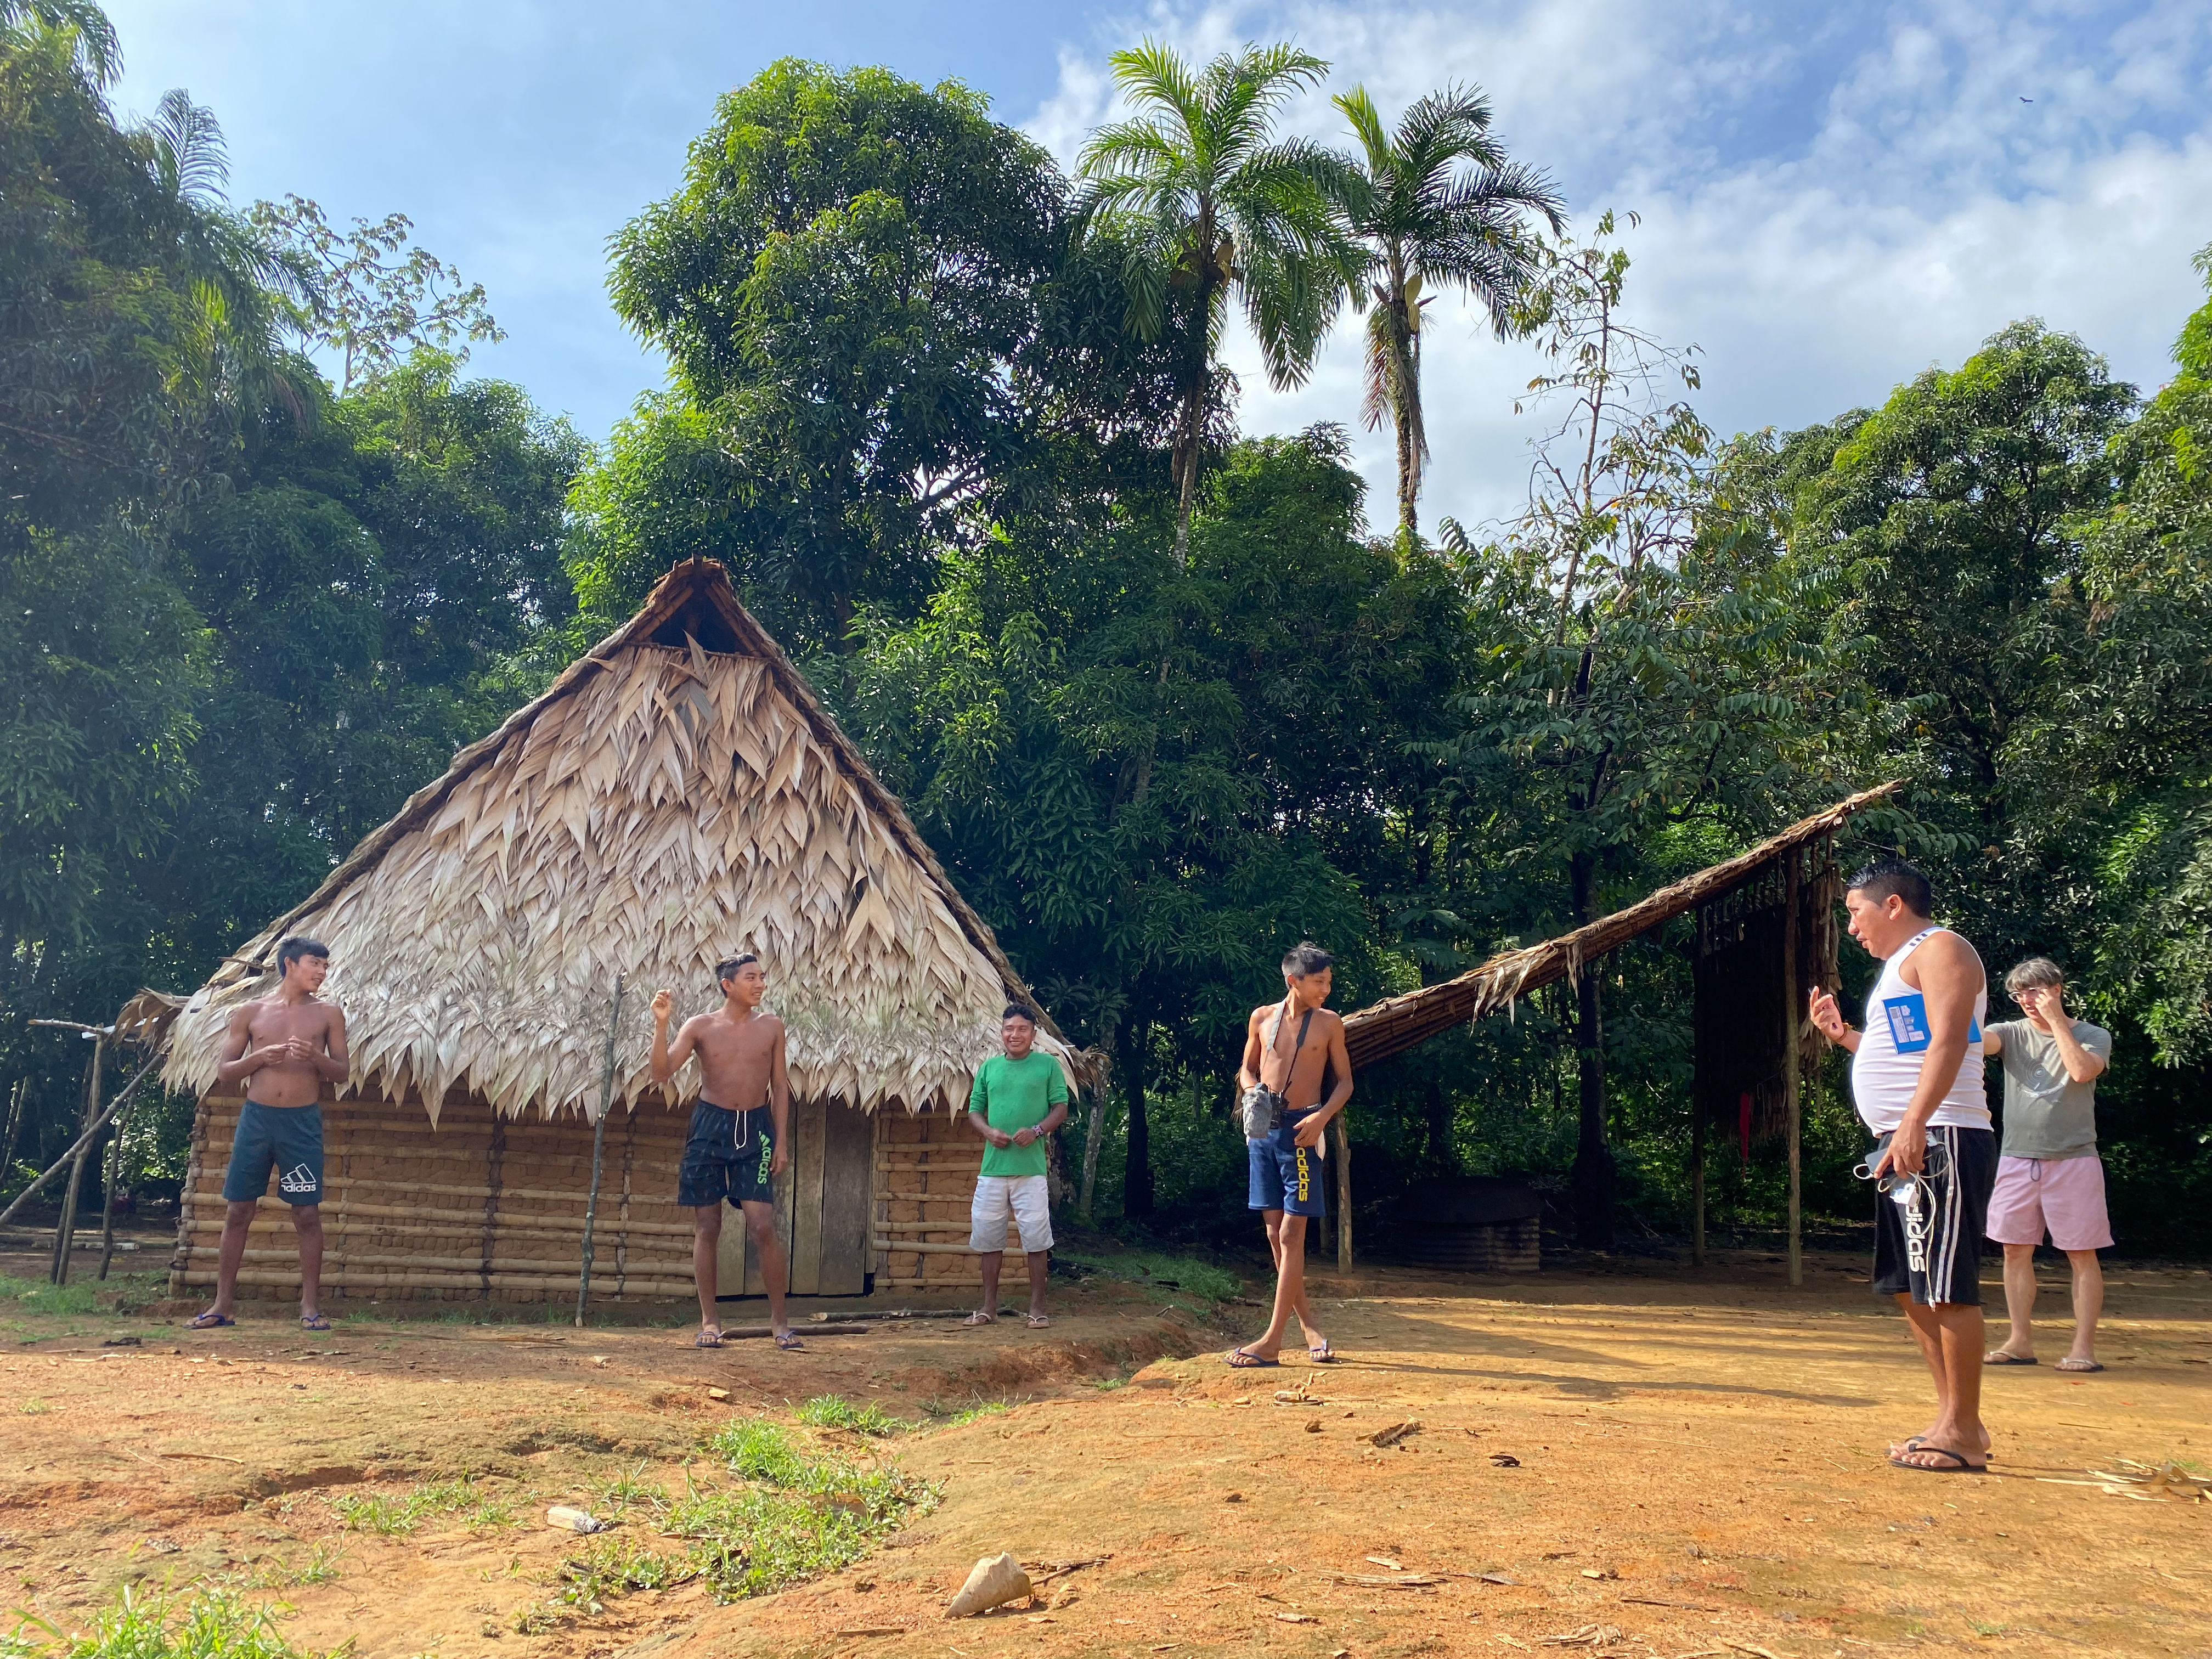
(1020, 1097)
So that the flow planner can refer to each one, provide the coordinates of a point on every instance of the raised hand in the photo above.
(664, 1004)
(1827, 1017)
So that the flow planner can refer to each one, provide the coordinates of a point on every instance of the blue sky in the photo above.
(1833, 198)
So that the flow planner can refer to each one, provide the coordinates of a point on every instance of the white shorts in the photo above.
(1025, 1198)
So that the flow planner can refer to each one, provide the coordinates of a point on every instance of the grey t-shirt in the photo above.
(2047, 1114)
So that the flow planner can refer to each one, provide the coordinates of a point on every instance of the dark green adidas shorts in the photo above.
(287, 1139)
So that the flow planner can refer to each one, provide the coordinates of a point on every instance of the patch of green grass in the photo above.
(389, 1515)
(1191, 1276)
(34, 1297)
(788, 1514)
(209, 1624)
(618, 1494)
(34, 1407)
(954, 1417)
(831, 1411)
(277, 1572)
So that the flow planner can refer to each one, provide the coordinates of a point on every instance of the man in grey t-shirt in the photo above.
(2049, 1176)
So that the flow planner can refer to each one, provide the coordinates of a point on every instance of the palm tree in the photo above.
(1206, 201)
(1427, 219)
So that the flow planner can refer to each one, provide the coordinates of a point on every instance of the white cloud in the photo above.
(1828, 206)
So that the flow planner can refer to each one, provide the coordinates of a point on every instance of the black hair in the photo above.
(1015, 1011)
(1306, 957)
(295, 947)
(727, 971)
(1894, 878)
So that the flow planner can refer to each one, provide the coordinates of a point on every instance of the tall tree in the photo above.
(1635, 680)
(1208, 204)
(1437, 202)
(846, 285)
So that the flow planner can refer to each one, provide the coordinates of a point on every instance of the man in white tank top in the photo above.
(1917, 1079)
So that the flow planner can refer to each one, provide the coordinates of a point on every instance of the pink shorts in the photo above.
(2065, 1196)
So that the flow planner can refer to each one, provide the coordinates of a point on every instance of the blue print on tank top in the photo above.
(1908, 1023)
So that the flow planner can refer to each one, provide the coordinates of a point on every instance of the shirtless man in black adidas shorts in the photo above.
(740, 1131)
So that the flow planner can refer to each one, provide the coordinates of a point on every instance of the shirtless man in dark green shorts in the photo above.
(284, 1048)
(737, 1146)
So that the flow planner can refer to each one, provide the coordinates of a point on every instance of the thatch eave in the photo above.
(1398, 1024)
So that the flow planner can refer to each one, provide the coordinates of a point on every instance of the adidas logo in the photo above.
(298, 1179)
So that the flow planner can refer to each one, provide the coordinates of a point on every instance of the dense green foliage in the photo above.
(1157, 695)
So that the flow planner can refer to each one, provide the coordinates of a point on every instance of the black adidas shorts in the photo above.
(1932, 1248)
(727, 1156)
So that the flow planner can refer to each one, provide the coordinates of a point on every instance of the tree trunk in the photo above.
(1594, 1165)
(1408, 485)
(1137, 1181)
(1443, 1152)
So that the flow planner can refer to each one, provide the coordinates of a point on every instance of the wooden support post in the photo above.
(65, 1225)
(1697, 1177)
(1793, 1018)
(1343, 1193)
(598, 1150)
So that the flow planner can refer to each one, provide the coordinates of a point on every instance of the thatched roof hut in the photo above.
(677, 795)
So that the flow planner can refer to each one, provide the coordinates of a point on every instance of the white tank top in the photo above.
(1886, 1068)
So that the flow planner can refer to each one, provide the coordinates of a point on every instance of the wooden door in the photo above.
(823, 1201)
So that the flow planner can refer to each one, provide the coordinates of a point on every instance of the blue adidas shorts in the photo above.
(1285, 1177)
(287, 1139)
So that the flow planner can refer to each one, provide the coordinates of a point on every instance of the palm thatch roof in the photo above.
(1393, 1026)
(677, 795)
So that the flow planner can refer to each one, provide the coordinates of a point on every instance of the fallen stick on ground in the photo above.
(732, 1333)
(1388, 1580)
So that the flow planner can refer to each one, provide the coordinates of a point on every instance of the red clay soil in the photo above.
(1648, 1460)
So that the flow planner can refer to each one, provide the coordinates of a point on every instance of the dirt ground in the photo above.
(1647, 1459)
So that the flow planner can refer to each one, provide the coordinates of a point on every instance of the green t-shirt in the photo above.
(1016, 1094)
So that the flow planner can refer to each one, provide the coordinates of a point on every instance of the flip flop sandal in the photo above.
(1321, 1354)
(209, 1321)
(975, 1319)
(1036, 1321)
(1958, 1465)
(789, 1342)
(2078, 1367)
(710, 1337)
(2001, 1357)
(314, 1321)
(1243, 1359)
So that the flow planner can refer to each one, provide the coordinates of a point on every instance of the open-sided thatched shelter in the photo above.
(1766, 932)
(678, 793)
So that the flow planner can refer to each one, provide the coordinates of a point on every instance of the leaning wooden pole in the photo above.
(78, 1146)
(1792, 1022)
(65, 1224)
(598, 1150)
